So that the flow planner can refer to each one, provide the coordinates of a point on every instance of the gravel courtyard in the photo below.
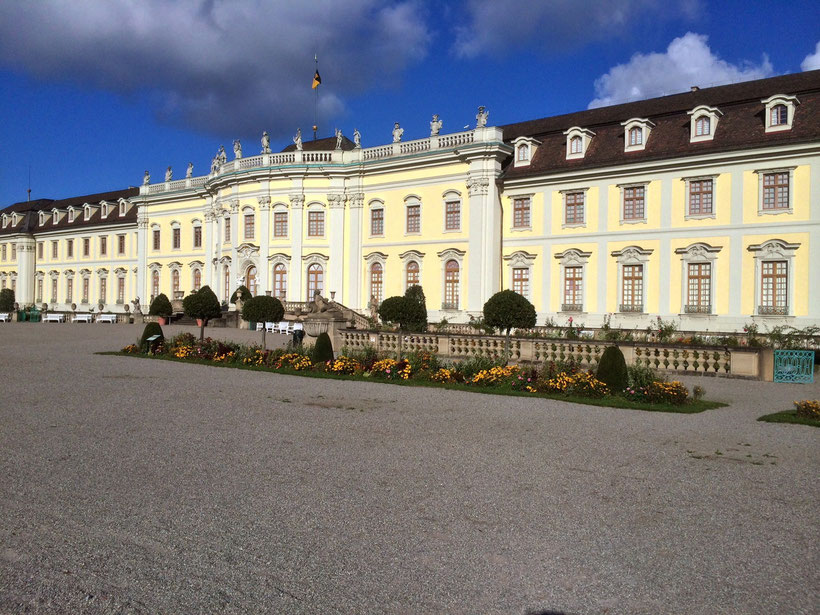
(137, 486)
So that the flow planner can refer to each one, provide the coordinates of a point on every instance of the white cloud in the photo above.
(494, 26)
(812, 61)
(688, 61)
(226, 67)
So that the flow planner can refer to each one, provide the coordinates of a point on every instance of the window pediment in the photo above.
(636, 133)
(703, 123)
(524, 150)
(779, 113)
(578, 140)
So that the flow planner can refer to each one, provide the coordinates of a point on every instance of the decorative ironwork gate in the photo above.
(794, 366)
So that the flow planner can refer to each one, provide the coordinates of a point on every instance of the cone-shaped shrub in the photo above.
(6, 300)
(612, 369)
(160, 306)
(151, 329)
(323, 350)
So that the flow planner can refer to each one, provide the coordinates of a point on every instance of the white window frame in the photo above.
(645, 127)
(622, 204)
(574, 257)
(586, 138)
(280, 259)
(774, 250)
(703, 111)
(375, 258)
(790, 102)
(175, 226)
(375, 205)
(686, 212)
(530, 146)
(513, 198)
(782, 210)
(521, 259)
(314, 258)
(406, 257)
(280, 208)
(248, 211)
(413, 200)
(444, 256)
(564, 193)
(452, 196)
(632, 255)
(695, 253)
(313, 208)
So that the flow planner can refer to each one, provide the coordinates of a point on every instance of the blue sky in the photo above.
(94, 92)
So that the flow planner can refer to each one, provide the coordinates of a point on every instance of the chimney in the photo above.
(694, 88)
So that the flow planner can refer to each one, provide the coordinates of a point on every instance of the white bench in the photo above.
(270, 327)
(81, 318)
(5, 317)
(109, 318)
(53, 317)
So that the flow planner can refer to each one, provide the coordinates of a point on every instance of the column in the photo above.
(24, 295)
(263, 271)
(335, 279)
(142, 254)
(208, 267)
(234, 244)
(484, 245)
(297, 205)
(353, 296)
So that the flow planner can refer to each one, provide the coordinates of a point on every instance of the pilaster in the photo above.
(234, 203)
(483, 277)
(24, 295)
(336, 235)
(353, 262)
(142, 253)
(297, 205)
(210, 220)
(263, 270)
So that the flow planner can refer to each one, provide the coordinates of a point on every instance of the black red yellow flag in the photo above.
(317, 80)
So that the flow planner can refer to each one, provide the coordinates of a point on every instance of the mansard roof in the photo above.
(741, 127)
(322, 145)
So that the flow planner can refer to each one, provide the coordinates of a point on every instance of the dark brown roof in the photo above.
(322, 145)
(742, 125)
(30, 222)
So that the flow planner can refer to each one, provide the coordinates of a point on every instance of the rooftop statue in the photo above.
(221, 155)
(146, 179)
(338, 139)
(481, 117)
(298, 139)
(237, 149)
(357, 137)
(169, 174)
(435, 125)
(265, 143)
(398, 131)
(190, 172)
(215, 164)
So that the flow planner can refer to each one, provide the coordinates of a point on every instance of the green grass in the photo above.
(693, 407)
(789, 416)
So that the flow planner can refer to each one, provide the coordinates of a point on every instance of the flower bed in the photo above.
(562, 380)
(806, 412)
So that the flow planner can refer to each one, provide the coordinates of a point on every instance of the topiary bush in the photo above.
(263, 309)
(160, 306)
(151, 329)
(391, 310)
(202, 305)
(243, 293)
(508, 309)
(323, 350)
(6, 300)
(415, 307)
(612, 369)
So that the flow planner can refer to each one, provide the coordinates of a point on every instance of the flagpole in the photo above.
(316, 100)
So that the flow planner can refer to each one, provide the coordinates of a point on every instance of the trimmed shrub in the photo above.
(323, 350)
(612, 369)
(202, 305)
(391, 310)
(160, 306)
(6, 300)
(507, 309)
(151, 329)
(242, 292)
(263, 309)
(415, 309)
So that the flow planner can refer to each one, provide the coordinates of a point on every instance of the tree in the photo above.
(507, 309)
(612, 369)
(415, 309)
(391, 310)
(160, 306)
(323, 350)
(263, 309)
(242, 292)
(202, 305)
(6, 300)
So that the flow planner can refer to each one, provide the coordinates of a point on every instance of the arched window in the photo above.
(451, 274)
(226, 277)
(197, 279)
(523, 152)
(315, 276)
(376, 274)
(576, 145)
(154, 283)
(779, 115)
(250, 279)
(702, 126)
(175, 281)
(412, 274)
(636, 136)
(280, 281)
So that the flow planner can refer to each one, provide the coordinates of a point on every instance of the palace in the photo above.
(702, 206)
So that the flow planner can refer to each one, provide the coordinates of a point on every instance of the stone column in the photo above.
(234, 243)
(263, 269)
(24, 295)
(353, 258)
(335, 279)
(208, 268)
(297, 205)
(142, 254)
(484, 246)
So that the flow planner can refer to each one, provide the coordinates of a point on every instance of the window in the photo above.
(413, 218)
(376, 274)
(411, 277)
(176, 238)
(315, 280)
(226, 280)
(521, 212)
(452, 215)
(521, 281)
(573, 289)
(774, 288)
(576, 145)
(197, 236)
(40, 250)
(524, 148)
(87, 213)
(156, 239)
(779, 112)
(316, 225)
(103, 246)
(250, 280)
(778, 115)
(197, 279)
(377, 221)
(636, 133)
(13, 251)
(698, 288)
(634, 203)
(86, 246)
(54, 248)
(632, 288)
(69, 290)
(54, 290)
(700, 197)
(86, 285)
(120, 289)
(120, 244)
(39, 297)
(280, 224)
(122, 208)
(3, 251)
(69, 248)
(523, 152)
(636, 136)
(451, 279)
(776, 190)
(103, 289)
(174, 282)
(154, 283)
(227, 229)
(702, 125)
(280, 281)
(574, 208)
(71, 215)
(249, 225)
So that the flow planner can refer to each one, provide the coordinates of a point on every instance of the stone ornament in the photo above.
(146, 179)
(237, 149)
(297, 140)
(357, 138)
(221, 155)
(265, 143)
(190, 172)
(398, 131)
(481, 117)
(169, 174)
(339, 138)
(435, 125)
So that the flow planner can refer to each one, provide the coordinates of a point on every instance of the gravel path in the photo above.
(135, 486)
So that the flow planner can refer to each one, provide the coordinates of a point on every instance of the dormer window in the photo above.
(636, 133)
(42, 218)
(71, 215)
(704, 123)
(14, 219)
(524, 148)
(55, 216)
(780, 110)
(103, 209)
(5, 220)
(122, 208)
(578, 140)
(86, 213)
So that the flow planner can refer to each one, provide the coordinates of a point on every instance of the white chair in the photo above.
(270, 327)
(81, 318)
(260, 326)
(297, 327)
(283, 327)
(109, 318)
(5, 317)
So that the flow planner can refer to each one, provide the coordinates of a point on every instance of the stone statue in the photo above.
(136, 304)
(215, 164)
(435, 125)
(298, 139)
(265, 143)
(223, 157)
(373, 306)
(237, 149)
(398, 131)
(338, 139)
(169, 174)
(481, 117)
(319, 303)
(190, 172)
(146, 179)
(357, 137)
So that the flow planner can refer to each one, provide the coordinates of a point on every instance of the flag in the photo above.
(317, 80)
